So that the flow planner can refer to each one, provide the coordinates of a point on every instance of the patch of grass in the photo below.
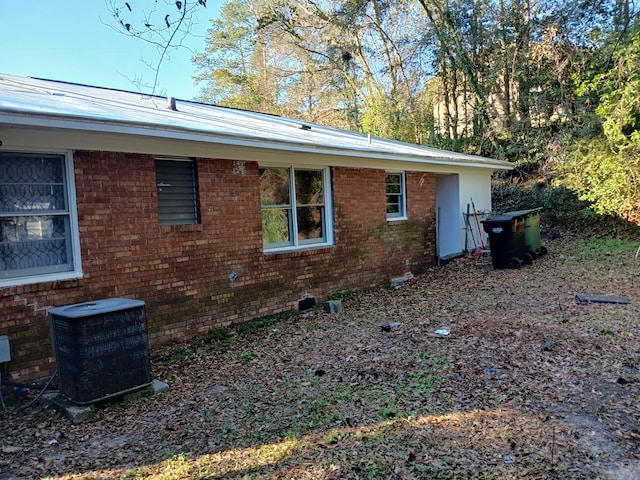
(346, 394)
(209, 415)
(318, 412)
(388, 413)
(629, 363)
(274, 452)
(262, 323)
(445, 400)
(135, 473)
(235, 463)
(433, 358)
(486, 476)
(560, 468)
(218, 336)
(176, 467)
(127, 403)
(506, 434)
(335, 436)
(148, 392)
(342, 294)
(181, 354)
(425, 383)
(246, 356)
(599, 248)
(438, 472)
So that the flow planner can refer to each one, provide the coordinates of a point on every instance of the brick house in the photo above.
(209, 215)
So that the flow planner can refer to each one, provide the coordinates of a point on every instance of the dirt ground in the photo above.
(529, 383)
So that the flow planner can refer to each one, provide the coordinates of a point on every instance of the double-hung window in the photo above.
(177, 183)
(296, 207)
(396, 196)
(39, 238)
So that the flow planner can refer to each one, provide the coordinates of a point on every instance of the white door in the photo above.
(448, 215)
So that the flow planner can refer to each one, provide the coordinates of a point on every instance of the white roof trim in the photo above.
(45, 104)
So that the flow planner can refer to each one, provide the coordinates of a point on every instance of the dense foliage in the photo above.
(603, 167)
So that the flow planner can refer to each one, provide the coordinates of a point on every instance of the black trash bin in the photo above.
(506, 240)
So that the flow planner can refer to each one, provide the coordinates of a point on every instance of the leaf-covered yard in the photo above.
(528, 384)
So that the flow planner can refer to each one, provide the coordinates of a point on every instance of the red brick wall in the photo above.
(184, 273)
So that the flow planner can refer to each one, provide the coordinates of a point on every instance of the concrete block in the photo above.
(82, 413)
(156, 386)
(159, 386)
(75, 413)
(333, 306)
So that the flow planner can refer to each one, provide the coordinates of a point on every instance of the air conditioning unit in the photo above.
(101, 348)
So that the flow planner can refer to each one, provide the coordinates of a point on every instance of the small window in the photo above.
(295, 211)
(38, 221)
(177, 184)
(396, 197)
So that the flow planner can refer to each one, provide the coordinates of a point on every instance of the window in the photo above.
(39, 238)
(396, 197)
(296, 209)
(177, 184)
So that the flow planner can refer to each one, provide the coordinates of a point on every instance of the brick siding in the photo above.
(194, 277)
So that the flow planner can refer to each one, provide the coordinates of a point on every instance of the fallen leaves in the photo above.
(527, 384)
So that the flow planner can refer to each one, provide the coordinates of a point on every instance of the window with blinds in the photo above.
(177, 183)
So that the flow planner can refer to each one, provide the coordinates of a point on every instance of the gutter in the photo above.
(82, 124)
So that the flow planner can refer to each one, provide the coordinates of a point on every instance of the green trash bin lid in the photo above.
(523, 213)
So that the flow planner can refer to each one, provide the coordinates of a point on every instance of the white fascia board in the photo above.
(73, 133)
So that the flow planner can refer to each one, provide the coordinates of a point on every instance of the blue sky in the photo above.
(72, 40)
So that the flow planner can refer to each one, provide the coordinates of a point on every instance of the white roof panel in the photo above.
(35, 102)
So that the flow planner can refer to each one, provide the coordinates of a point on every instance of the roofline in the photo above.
(79, 123)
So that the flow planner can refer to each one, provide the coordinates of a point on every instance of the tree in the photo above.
(164, 24)
(353, 64)
(504, 67)
(604, 167)
(228, 66)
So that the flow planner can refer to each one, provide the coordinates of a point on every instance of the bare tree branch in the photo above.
(165, 24)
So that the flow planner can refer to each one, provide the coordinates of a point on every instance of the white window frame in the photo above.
(296, 244)
(74, 232)
(402, 214)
